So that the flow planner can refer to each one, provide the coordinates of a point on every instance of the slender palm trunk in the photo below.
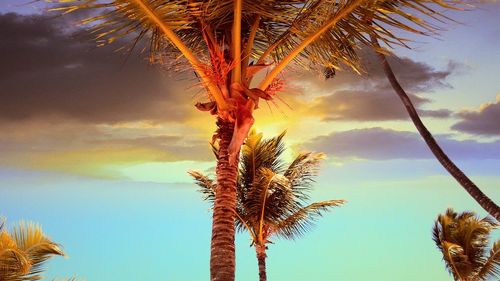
(445, 161)
(261, 259)
(222, 257)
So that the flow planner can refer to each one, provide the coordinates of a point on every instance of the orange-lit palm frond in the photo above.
(326, 33)
(24, 252)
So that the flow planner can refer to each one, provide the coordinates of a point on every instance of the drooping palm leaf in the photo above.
(296, 224)
(207, 185)
(301, 173)
(491, 268)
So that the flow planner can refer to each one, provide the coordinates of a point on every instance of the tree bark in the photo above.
(261, 259)
(441, 156)
(222, 255)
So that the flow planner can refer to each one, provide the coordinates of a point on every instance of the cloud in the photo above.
(484, 121)
(386, 144)
(349, 96)
(96, 150)
(369, 105)
(48, 72)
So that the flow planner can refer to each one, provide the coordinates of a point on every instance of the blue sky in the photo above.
(107, 178)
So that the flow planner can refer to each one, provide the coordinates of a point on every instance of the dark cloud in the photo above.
(367, 97)
(365, 105)
(414, 76)
(485, 121)
(385, 144)
(48, 72)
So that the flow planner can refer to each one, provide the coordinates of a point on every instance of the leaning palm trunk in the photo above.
(261, 259)
(441, 156)
(222, 257)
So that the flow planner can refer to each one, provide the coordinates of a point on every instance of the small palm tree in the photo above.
(24, 251)
(463, 241)
(272, 197)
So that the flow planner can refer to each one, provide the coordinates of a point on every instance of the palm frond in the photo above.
(463, 239)
(261, 204)
(313, 33)
(14, 262)
(301, 173)
(207, 185)
(491, 267)
(38, 247)
(296, 224)
(24, 252)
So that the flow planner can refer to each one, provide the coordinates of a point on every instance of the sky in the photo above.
(95, 147)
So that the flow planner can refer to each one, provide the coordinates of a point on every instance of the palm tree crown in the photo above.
(227, 41)
(463, 241)
(24, 251)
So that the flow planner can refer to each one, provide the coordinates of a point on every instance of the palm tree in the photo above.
(463, 241)
(272, 198)
(24, 251)
(226, 42)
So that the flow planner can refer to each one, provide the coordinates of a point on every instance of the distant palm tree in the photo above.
(272, 197)
(24, 251)
(226, 42)
(463, 241)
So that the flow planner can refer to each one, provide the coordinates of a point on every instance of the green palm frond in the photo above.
(250, 159)
(268, 199)
(257, 153)
(296, 224)
(301, 173)
(206, 184)
(463, 240)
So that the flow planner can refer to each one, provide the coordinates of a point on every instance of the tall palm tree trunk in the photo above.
(261, 259)
(222, 254)
(445, 161)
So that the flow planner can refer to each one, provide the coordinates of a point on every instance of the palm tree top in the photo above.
(24, 251)
(226, 42)
(463, 240)
(311, 32)
(272, 197)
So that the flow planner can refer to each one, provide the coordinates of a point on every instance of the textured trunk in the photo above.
(445, 161)
(261, 259)
(222, 257)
